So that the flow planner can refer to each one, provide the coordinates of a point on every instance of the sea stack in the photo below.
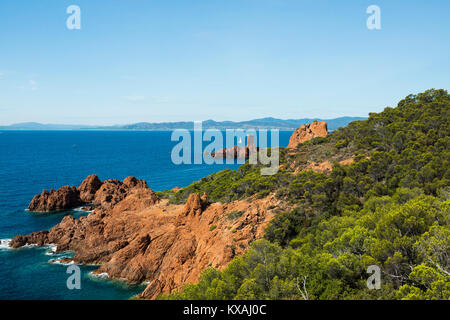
(237, 152)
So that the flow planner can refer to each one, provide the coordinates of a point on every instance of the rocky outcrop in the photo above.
(89, 187)
(111, 192)
(237, 152)
(141, 238)
(38, 238)
(92, 191)
(132, 182)
(64, 198)
(205, 200)
(307, 132)
(193, 206)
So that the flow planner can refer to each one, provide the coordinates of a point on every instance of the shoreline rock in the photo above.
(237, 152)
(91, 193)
(140, 238)
(64, 198)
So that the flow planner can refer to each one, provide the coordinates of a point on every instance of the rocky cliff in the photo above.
(132, 234)
(307, 132)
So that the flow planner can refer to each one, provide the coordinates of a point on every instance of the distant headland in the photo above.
(263, 123)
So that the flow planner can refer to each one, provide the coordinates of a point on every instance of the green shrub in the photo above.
(235, 214)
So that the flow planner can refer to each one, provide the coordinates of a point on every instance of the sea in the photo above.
(31, 161)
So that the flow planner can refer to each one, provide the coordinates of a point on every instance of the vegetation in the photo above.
(229, 185)
(235, 214)
(390, 208)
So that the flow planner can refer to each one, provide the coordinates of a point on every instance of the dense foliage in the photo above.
(390, 208)
(229, 185)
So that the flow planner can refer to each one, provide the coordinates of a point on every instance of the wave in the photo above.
(4, 244)
(103, 275)
(58, 261)
(52, 251)
(81, 210)
(78, 209)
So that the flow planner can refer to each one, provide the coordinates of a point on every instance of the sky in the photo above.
(180, 60)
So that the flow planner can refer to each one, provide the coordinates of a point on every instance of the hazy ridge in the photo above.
(263, 123)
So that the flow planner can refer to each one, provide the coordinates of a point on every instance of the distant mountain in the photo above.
(40, 126)
(263, 123)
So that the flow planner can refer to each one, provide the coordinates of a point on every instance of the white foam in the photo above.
(58, 261)
(52, 251)
(81, 209)
(30, 246)
(103, 275)
(4, 244)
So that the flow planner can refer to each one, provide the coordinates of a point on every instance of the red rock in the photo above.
(307, 132)
(193, 206)
(204, 200)
(237, 152)
(64, 198)
(91, 191)
(138, 199)
(89, 187)
(139, 239)
(38, 238)
(111, 192)
(132, 182)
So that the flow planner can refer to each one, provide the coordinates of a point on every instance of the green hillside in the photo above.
(390, 208)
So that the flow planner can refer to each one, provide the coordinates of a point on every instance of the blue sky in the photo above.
(172, 60)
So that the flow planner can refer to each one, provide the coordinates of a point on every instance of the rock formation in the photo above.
(307, 132)
(237, 152)
(193, 206)
(39, 238)
(89, 187)
(111, 192)
(142, 238)
(91, 191)
(64, 198)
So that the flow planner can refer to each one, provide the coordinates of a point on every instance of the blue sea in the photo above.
(31, 161)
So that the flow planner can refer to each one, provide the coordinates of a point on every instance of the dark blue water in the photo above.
(34, 160)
